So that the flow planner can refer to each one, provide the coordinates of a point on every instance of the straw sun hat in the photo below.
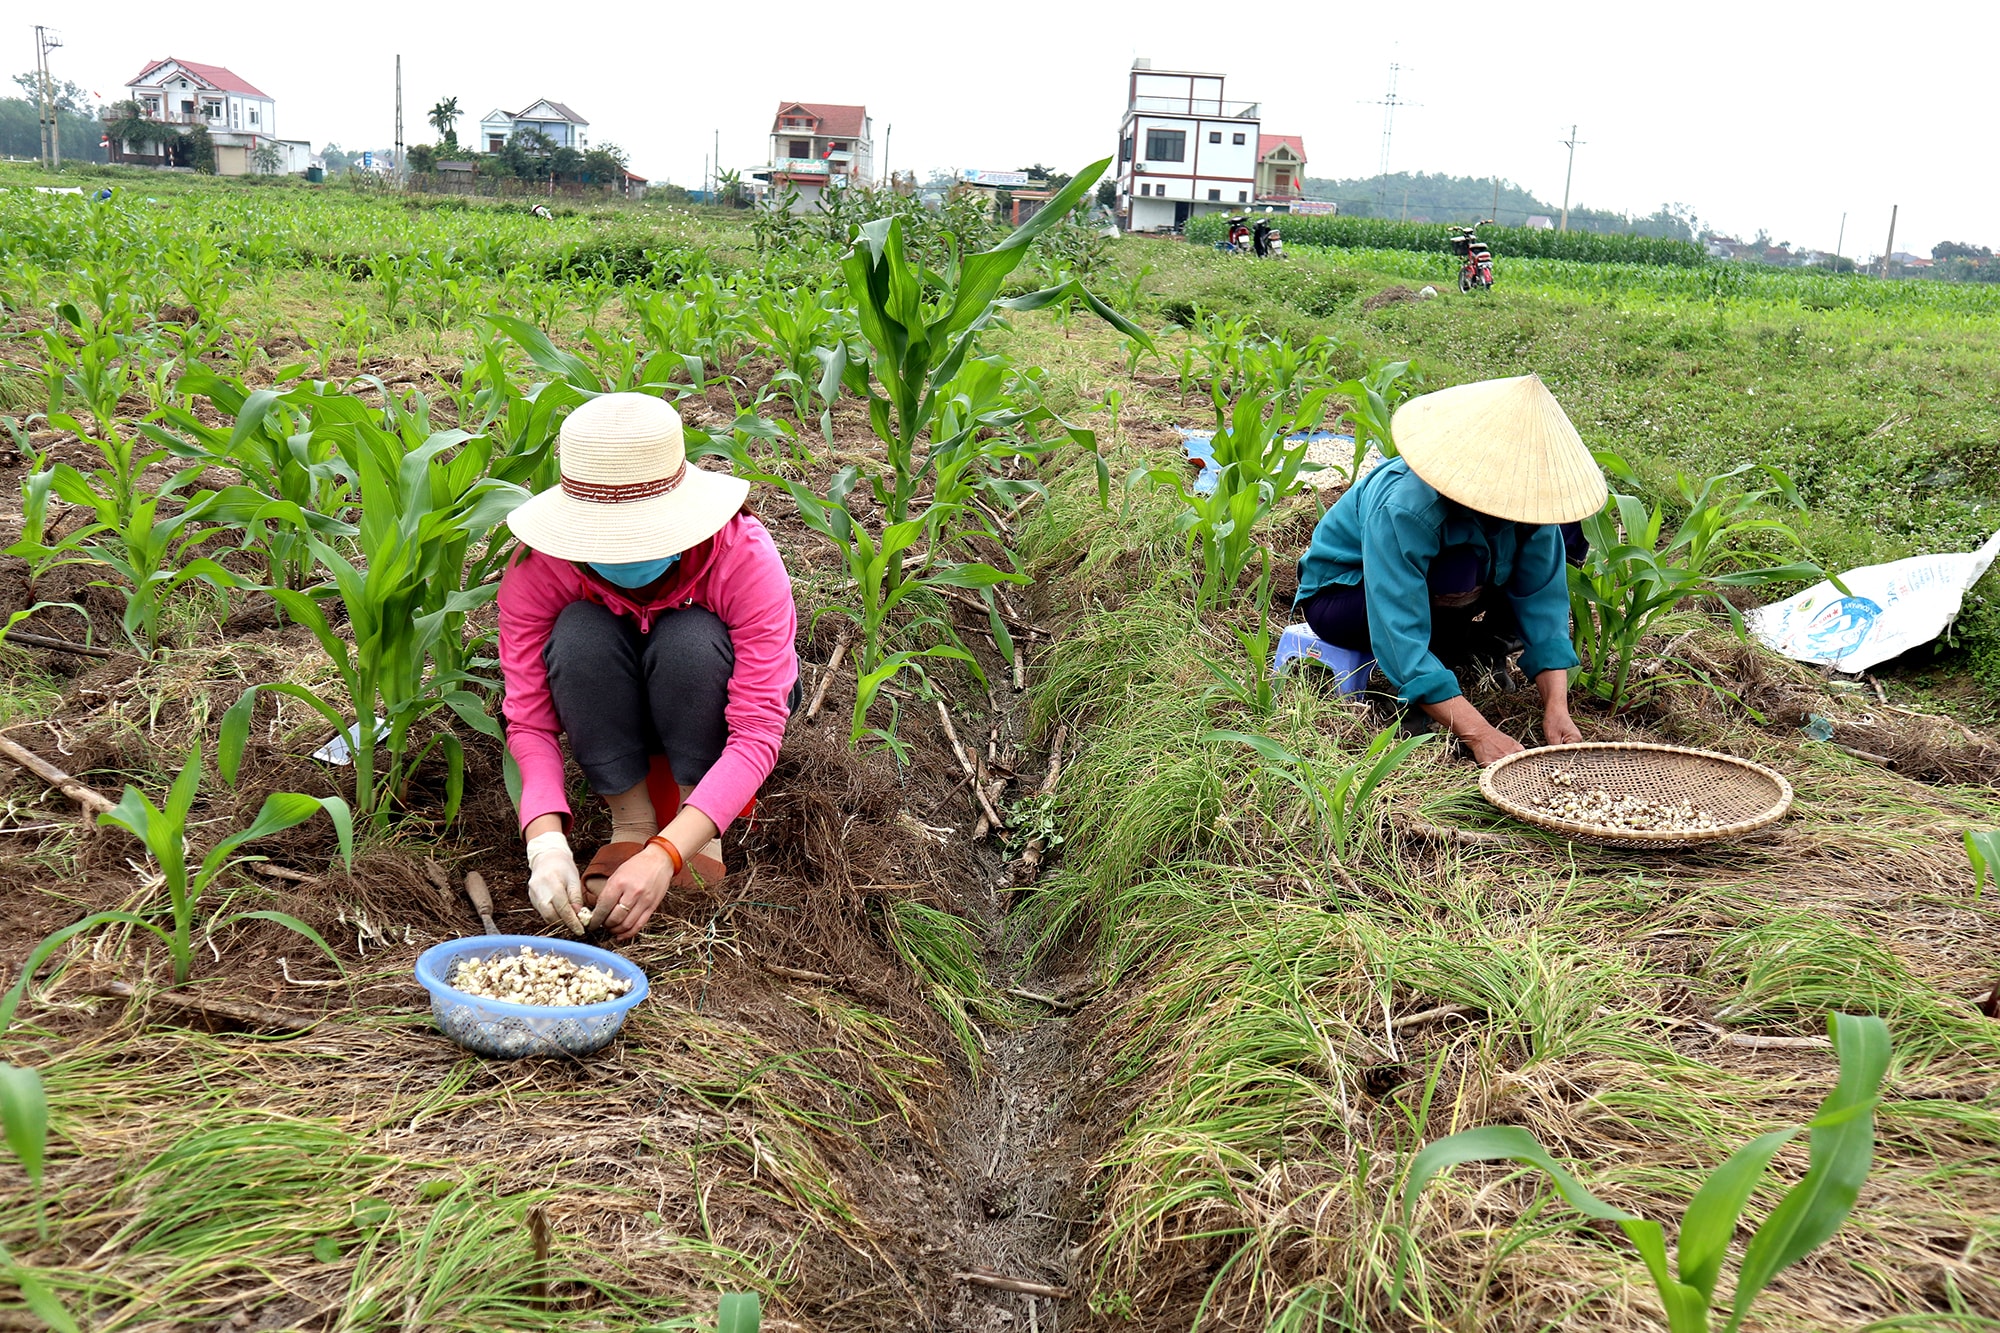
(1502, 447)
(627, 491)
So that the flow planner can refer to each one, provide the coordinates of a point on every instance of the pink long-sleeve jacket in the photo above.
(738, 575)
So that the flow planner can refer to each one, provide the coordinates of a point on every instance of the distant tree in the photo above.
(1959, 250)
(1107, 194)
(267, 158)
(69, 96)
(605, 163)
(444, 119)
(1044, 178)
(565, 163)
(420, 158)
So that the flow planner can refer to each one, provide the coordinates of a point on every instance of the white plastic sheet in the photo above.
(1887, 610)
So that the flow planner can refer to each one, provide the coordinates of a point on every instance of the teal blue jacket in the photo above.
(1390, 527)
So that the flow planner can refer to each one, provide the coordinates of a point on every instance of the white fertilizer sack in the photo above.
(1887, 610)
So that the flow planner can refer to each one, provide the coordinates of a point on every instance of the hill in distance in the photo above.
(1422, 197)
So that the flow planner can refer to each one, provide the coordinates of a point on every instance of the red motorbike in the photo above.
(1476, 268)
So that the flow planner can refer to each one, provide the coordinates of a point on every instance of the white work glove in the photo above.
(554, 886)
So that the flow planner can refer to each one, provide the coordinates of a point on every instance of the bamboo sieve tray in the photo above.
(1742, 796)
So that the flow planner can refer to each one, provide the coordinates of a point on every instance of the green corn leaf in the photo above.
(289, 922)
(24, 1116)
(1843, 1148)
(546, 355)
(1710, 1220)
(40, 1299)
(1982, 848)
(739, 1312)
(42, 952)
(235, 735)
(1687, 1311)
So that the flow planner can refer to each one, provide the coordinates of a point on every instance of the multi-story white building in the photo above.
(240, 118)
(563, 127)
(819, 146)
(1183, 148)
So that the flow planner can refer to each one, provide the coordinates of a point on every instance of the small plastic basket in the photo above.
(510, 1031)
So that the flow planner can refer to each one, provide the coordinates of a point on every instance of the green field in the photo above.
(1159, 1053)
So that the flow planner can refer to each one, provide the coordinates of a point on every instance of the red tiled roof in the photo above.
(1266, 142)
(215, 76)
(843, 122)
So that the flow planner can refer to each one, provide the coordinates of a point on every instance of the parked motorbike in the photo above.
(1476, 266)
(1237, 240)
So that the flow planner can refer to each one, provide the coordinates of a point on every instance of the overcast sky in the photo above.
(1783, 117)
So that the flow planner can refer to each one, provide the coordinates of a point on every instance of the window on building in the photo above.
(1145, 188)
(799, 148)
(1215, 195)
(1125, 149)
(187, 107)
(494, 143)
(1238, 139)
(152, 105)
(1166, 145)
(212, 108)
(838, 148)
(253, 115)
(1215, 136)
(1243, 196)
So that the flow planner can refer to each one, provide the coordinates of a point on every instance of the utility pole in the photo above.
(1890, 248)
(399, 117)
(1839, 244)
(50, 121)
(1495, 214)
(1572, 141)
(887, 179)
(718, 158)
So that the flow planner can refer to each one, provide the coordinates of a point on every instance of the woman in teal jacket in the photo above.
(1453, 551)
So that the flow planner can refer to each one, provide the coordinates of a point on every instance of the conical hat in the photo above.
(1502, 447)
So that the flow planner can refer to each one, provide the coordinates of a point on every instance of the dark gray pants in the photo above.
(623, 696)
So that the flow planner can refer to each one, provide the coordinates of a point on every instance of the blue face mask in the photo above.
(636, 573)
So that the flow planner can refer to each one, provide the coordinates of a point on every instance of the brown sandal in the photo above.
(609, 857)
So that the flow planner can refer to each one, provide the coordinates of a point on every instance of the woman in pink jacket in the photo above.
(650, 619)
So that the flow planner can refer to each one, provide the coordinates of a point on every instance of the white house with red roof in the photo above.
(182, 92)
(240, 117)
(1281, 168)
(819, 146)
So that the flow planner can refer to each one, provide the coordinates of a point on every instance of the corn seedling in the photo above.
(421, 511)
(1256, 460)
(1842, 1149)
(1251, 684)
(295, 482)
(1372, 402)
(1342, 798)
(1629, 580)
(152, 554)
(1982, 848)
(164, 833)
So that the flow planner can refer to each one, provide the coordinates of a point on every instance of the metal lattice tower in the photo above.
(1390, 101)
